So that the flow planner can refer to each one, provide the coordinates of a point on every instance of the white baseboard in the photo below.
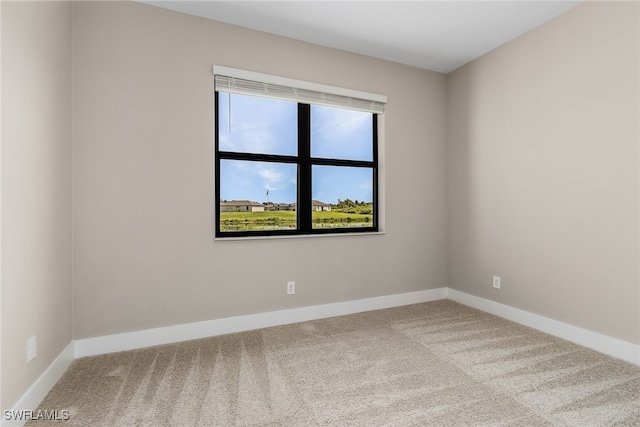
(611, 346)
(209, 328)
(39, 389)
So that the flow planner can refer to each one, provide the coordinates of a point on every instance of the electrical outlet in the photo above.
(496, 282)
(31, 348)
(291, 288)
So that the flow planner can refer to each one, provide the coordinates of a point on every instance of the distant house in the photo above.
(315, 206)
(269, 206)
(241, 206)
(320, 206)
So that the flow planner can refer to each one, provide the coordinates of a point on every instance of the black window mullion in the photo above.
(230, 155)
(342, 162)
(374, 119)
(304, 168)
(217, 167)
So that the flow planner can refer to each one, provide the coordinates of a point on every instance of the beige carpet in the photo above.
(431, 364)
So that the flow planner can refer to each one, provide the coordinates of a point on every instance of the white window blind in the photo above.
(294, 90)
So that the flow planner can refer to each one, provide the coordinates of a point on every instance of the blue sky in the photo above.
(263, 125)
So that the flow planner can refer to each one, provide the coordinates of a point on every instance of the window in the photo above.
(293, 161)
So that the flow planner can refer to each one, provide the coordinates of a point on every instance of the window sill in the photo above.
(300, 236)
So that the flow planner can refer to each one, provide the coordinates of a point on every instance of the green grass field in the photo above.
(285, 220)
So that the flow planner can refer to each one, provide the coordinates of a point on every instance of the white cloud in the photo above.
(274, 178)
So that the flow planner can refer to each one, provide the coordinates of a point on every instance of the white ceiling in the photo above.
(436, 35)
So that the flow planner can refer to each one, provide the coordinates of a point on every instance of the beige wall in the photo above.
(144, 254)
(544, 171)
(36, 189)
